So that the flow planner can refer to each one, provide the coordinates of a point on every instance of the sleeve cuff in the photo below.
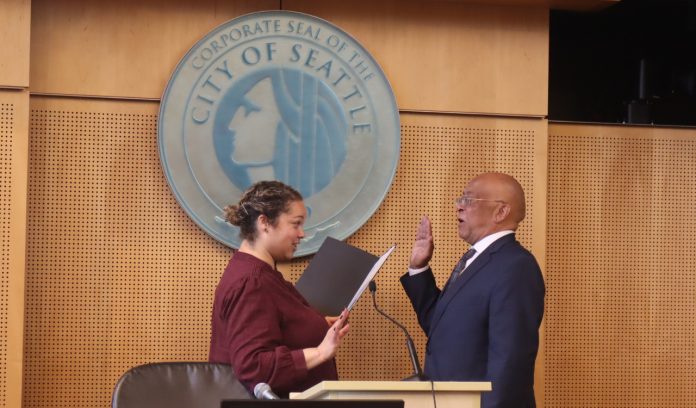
(416, 271)
(300, 363)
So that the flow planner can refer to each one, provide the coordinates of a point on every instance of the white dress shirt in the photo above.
(479, 246)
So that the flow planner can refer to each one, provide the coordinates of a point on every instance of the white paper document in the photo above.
(371, 275)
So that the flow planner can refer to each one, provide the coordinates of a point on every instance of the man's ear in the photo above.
(502, 213)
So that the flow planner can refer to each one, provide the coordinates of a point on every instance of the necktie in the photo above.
(461, 265)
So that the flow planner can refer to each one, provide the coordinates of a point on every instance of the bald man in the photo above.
(484, 324)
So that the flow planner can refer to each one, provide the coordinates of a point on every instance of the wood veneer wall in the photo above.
(621, 276)
(117, 275)
(14, 106)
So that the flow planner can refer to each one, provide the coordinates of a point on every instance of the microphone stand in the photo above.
(417, 371)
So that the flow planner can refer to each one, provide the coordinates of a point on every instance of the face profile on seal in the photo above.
(254, 129)
(280, 124)
(286, 96)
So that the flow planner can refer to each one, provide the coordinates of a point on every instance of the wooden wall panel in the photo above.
(576, 5)
(463, 58)
(451, 56)
(621, 277)
(14, 107)
(125, 48)
(439, 154)
(14, 37)
(118, 275)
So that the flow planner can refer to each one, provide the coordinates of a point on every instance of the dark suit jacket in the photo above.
(485, 327)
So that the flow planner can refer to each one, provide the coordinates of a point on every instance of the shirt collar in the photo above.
(486, 241)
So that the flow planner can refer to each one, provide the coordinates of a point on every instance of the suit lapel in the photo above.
(452, 289)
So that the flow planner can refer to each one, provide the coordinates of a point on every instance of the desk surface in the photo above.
(400, 386)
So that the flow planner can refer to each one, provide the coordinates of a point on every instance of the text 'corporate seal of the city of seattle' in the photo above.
(282, 96)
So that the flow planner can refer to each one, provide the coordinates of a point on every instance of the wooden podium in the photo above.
(416, 394)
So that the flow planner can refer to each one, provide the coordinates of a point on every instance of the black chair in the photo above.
(177, 385)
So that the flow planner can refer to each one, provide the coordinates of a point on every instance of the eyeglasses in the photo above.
(465, 201)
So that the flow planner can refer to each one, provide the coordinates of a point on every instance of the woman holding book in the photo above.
(261, 324)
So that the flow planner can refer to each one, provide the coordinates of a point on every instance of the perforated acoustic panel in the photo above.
(117, 275)
(7, 121)
(621, 276)
(439, 154)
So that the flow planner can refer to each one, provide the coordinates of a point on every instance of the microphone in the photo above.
(263, 391)
(417, 372)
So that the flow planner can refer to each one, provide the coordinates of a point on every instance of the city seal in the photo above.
(285, 96)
